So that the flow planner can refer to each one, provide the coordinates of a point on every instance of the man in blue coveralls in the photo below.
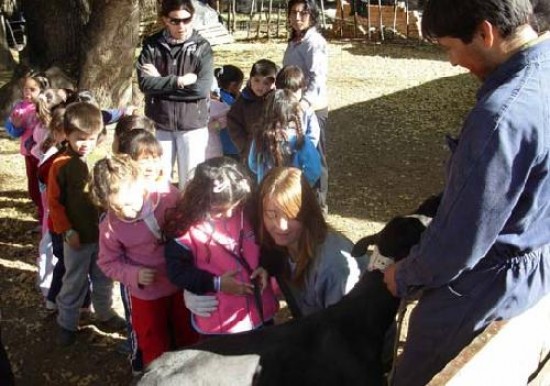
(486, 254)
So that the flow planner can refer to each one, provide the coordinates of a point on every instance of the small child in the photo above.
(229, 79)
(146, 151)
(131, 252)
(247, 109)
(54, 146)
(76, 218)
(21, 123)
(292, 78)
(280, 139)
(213, 249)
(51, 245)
(134, 136)
(128, 123)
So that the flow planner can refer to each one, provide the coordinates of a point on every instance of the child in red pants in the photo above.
(130, 251)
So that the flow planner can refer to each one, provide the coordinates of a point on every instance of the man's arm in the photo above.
(488, 174)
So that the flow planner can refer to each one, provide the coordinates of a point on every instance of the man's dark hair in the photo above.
(168, 6)
(460, 19)
(541, 17)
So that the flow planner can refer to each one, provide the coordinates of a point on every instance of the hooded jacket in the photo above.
(242, 119)
(173, 108)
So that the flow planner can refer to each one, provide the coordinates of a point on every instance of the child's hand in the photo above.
(217, 124)
(73, 239)
(261, 275)
(229, 284)
(146, 276)
(17, 118)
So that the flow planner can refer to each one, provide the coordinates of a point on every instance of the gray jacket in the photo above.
(333, 274)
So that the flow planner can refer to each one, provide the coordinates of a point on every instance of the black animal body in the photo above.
(340, 345)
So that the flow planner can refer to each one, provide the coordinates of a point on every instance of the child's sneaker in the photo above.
(113, 324)
(66, 337)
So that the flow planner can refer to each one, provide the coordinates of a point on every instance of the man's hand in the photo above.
(389, 279)
(149, 69)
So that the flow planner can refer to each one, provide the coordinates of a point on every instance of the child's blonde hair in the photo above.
(107, 175)
(56, 126)
(46, 102)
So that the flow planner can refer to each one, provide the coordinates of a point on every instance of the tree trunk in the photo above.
(112, 36)
(6, 59)
(55, 29)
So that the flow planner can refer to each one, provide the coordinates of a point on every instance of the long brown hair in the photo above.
(281, 111)
(290, 189)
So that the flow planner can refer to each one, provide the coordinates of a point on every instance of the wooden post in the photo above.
(323, 19)
(355, 10)
(252, 6)
(229, 18)
(340, 6)
(395, 17)
(380, 20)
(260, 12)
(369, 22)
(233, 15)
(278, 21)
(269, 19)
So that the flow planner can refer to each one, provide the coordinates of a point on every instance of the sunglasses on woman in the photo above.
(175, 21)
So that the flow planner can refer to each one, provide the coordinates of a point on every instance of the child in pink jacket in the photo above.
(131, 251)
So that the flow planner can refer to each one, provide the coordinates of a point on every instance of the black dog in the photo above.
(339, 345)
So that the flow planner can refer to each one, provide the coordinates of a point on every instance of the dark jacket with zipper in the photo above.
(243, 119)
(173, 108)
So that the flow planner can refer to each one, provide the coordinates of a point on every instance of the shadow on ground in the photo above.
(389, 152)
(395, 49)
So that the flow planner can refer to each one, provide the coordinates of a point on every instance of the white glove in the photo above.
(201, 305)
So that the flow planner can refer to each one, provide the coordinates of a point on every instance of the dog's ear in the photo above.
(360, 248)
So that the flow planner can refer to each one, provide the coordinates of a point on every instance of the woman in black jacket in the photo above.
(175, 72)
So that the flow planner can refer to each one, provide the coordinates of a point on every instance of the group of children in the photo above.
(151, 238)
(266, 124)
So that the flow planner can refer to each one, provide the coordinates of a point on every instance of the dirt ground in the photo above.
(390, 108)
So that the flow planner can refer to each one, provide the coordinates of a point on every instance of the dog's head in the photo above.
(400, 234)
(395, 240)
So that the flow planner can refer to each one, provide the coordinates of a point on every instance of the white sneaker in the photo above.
(51, 306)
